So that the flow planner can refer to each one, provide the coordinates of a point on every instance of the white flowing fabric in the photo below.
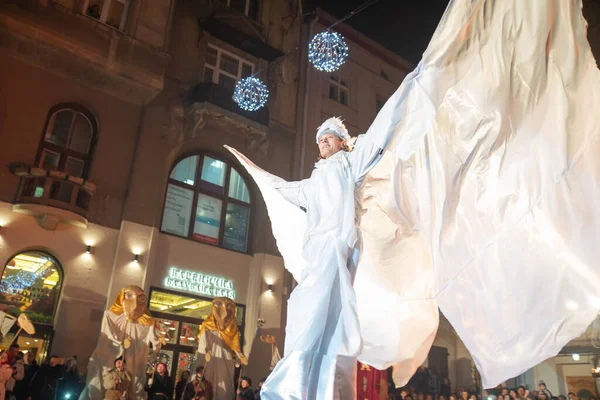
(219, 371)
(115, 328)
(485, 202)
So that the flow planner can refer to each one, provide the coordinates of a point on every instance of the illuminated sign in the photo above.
(195, 282)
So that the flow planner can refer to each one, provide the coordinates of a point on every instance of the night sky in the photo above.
(403, 26)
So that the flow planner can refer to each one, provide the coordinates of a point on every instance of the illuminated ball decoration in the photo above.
(250, 94)
(327, 51)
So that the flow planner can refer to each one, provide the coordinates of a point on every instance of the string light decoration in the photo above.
(250, 94)
(327, 51)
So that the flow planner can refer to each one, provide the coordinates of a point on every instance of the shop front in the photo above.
(179, 306)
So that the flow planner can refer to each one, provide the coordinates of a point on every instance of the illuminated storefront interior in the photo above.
(30, 285)
(178, 317)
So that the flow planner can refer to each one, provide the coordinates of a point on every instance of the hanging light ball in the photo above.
(250, 94)
(327, 51)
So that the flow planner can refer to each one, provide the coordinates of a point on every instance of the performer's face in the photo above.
(329, 144)
(119, 364)
(245, 383)
(134, 302)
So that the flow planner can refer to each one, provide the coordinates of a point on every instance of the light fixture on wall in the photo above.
(270, 288)
(88, 249)
(136, 258)
(575, 357)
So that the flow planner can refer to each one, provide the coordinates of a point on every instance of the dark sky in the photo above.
(403, 26)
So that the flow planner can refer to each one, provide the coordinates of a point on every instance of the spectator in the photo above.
(198, 388)
(245, 391)
(429, 397)
(522, 392)
(572, 396)
(180, 387)
(562, 397)
(18, 374)
(257, 391)
(71, 384)
(452, 397)
(44, 383)
(445, 387)
(5, 372)
(117, 381)
(464, 395)
(160, 385)
(505, 392)
(513, 394)
(420, 396)
(22, 387)
(11, 354)
(542, 389)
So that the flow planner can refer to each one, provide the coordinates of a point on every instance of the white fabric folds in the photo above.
(485, 203)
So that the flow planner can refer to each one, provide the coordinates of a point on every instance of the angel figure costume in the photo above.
(485, 195)
(219, 341)
(127, 330)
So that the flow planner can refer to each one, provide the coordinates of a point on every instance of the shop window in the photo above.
(30, 284)
(68, 141)
(338, 90)
(178, 317)
(109, 12)
(207, 200)
(225, 68)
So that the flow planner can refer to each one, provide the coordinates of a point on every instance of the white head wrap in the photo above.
(333, 125)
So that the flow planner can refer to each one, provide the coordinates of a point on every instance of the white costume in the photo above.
(120, 336)
(221, 367)
(485, 197)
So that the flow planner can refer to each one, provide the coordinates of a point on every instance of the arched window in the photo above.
(30, 284)
(68, 141)
(207, 200)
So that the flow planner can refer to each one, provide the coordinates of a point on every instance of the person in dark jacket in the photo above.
(44, 383)
(183, 380)
(257, 391)
(160, 384)
(245, 391)
(23, 386)
(198, 388)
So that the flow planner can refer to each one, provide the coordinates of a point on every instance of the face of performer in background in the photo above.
(244, 384)
(134, 302)
(329, 144)
(119, 364)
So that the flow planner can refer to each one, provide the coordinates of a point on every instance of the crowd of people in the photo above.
(21, 378)
(425, 385)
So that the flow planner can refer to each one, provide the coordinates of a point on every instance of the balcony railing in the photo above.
(223, 98)
(54, 189)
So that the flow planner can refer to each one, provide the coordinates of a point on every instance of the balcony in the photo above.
(52, 197)
(221, 97)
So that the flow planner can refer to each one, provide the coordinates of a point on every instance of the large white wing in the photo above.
(496, 187)
(288, 221)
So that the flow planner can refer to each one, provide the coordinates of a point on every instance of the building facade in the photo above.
(113, 117)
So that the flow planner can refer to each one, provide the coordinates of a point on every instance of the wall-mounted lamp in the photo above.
(575, 357)
(88, 249)
(136, 258)
(270, 288)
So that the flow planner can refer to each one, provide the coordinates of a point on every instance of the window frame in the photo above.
(216, 69)
(340, 86)
(247, 8)
(224, 198)
(104, 13)
(64, 151)
(61, 273)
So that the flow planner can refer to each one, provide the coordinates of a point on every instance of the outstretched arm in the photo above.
(293, 192)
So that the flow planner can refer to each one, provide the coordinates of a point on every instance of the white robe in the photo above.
(219, 371)
(115, 328)
(484, 203)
